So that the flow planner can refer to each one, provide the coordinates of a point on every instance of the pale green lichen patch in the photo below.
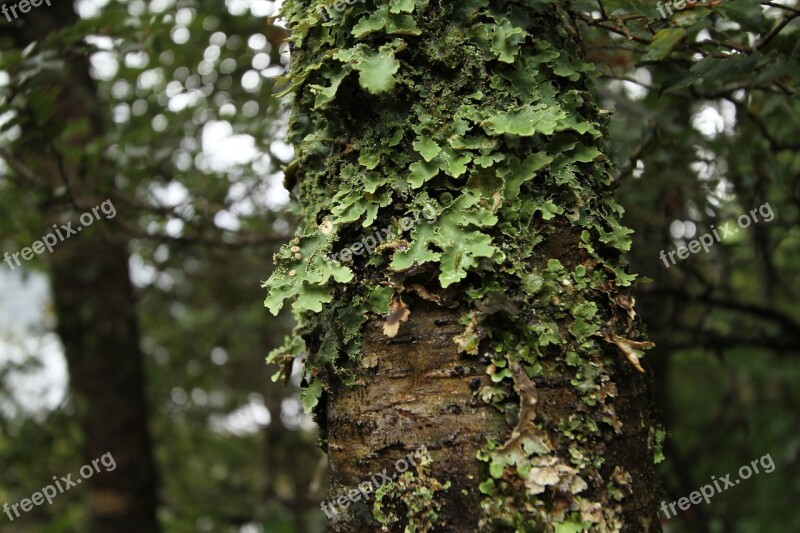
(414, 496)
(483, 112)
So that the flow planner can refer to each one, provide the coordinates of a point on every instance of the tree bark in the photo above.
(500, 332)
(419, 393)
(98, 326)
(94, 299)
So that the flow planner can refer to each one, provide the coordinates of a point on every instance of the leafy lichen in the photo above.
(482, 111)
(413, 495)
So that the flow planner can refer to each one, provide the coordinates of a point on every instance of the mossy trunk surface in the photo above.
(458, 278)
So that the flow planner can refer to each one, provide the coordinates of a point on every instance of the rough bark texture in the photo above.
(481, 116)
(419, 392)
(422, 393)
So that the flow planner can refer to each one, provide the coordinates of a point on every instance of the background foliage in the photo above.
(706, 122)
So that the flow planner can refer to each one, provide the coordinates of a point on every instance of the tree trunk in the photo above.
(458, 277)
(98, 327)
(94, 300)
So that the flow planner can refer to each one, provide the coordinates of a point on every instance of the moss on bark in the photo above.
(500, 332)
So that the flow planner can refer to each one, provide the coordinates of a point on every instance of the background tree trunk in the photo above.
(94, 300)
(98, 327)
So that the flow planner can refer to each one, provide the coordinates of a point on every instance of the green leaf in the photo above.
(402, 25)
(311, 395)
(401, 6)
(572, 526)
(663, 43)
(623, 279)
(369, 158)
(583, 314)
(379, 299)
(500, 375)
(325, 95)
(372, 23)
(421, 172)
(549, 210)
(277, 294)
(516, 173)
(497, 466)
(450, 241)
(658, 444)
(573, 359)
(312, 297)
(377, 72)
(584, 154)
(618, 237)
(746, 12)
(526, 121)
(293, 346)
(507, 39)
(548, 333)
(306, 278)
(463, 255)
(487, 487)
(554, 265)
(427, 148)
(454, 164)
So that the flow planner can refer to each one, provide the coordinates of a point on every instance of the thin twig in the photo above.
(21, 168)
(775, 31)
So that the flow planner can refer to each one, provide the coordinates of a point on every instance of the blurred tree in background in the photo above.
(707, 127)
(173, 118)
(166, 110)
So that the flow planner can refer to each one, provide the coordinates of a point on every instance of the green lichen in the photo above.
(413, 496)
(659, 435)
(481, 111)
